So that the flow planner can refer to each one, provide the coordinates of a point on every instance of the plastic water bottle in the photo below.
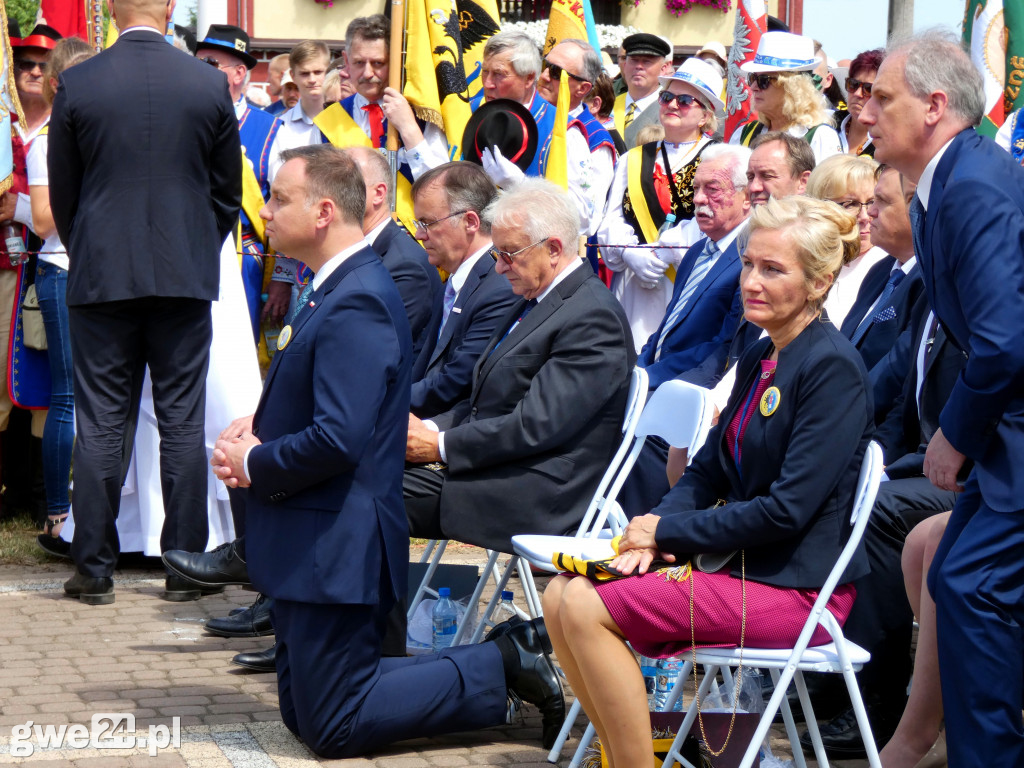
(667, 671)
(649, 669)
(505, 610)
(445, 618)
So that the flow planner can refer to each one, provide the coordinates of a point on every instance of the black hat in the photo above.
(187, 37)
(13, 32)
(644, 44)
(234, 40)
(505, 124)
(41, 36)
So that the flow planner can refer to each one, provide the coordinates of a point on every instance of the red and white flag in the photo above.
(751, 22)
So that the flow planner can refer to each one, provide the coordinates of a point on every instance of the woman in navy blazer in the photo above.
(781, 492)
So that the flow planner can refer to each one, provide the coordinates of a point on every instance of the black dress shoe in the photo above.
(534, 679)
(258, 661)
(98, 590)
(498, 630)
(253, 621)
(217, 568)
(841, 735)
(179, 590)
(54, 545)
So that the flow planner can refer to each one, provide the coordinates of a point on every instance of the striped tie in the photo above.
(701, 267)
(630, 114)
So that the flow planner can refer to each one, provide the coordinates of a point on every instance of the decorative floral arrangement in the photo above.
(326, 3)
(608, 35)
(679, 7)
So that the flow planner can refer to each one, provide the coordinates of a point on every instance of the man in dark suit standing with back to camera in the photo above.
(145, 141)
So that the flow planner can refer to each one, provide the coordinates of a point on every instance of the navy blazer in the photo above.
(443, 372)
(882, 335)
(145, 144)
(527, 449)
(325, 520)
(416, 278)
(972, 257)
(789, 501)
(708, 322)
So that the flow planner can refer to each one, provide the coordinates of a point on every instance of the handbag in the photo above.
(32, 330)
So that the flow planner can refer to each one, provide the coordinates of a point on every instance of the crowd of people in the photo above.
(447, 352)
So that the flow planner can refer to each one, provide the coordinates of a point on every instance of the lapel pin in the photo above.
(770, 401)
(284, 337)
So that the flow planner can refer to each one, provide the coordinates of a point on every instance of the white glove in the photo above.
(504, 173)
(645, 264)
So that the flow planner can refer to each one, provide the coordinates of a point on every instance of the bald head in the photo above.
(377, 177)
(150, 13)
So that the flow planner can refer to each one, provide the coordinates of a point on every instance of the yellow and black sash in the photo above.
(619, 113)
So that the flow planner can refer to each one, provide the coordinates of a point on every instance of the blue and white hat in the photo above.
(782, 52)
(702, 76)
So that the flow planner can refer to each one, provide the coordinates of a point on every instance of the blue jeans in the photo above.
(59, 433)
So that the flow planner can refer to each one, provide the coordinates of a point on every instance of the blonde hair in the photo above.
(825, 237)
(801, 102)
(67, 53)
(650, 132)
(835, 176)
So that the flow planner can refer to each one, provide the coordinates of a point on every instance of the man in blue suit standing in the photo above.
(968, 220)
(705, 307)
(322, 464)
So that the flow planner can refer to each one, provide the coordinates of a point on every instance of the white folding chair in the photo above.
(785, 665)
(435, 549)
(681, 414)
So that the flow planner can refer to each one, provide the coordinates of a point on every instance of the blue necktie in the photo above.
(701, 267)
(917, 214)
(449, 302)
(303, 298)
(882, 311)
(526, 310)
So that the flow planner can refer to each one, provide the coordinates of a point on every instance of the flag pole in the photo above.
(395, 81)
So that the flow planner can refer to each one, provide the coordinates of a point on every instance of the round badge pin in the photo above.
(770, 401)
(286, 335)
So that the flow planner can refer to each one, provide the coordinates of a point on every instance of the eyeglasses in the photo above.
(762, 82)
(28, 65)
(555, 72)
(216, 63)
(853, 85)
(855, 206)
(682, 99)
(507, 256)
(425, 225)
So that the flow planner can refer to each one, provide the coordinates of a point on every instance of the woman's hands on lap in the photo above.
(638, 548)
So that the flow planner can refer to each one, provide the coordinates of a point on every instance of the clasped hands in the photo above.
(229, 451)
(638, 548)
(422, 443)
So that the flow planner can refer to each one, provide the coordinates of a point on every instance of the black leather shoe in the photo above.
(54, 545)
(253, 621)
(536, 680)
(90, 590)
(179, 590)
(499, 630)
(217, 568)
(841, 735)
(258, 661)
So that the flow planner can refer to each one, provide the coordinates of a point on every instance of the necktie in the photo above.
(449, 302)
(882, 310)
(701, 267)
(630, 113)
(303, 299)
(376, 115)
(917, 214)
(526, 310)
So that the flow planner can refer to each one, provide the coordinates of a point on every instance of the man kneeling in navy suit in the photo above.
(321, 464)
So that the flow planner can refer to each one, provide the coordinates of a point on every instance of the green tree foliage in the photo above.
(24, 12)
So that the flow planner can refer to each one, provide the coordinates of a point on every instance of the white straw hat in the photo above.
(702, 76)
(782, 52)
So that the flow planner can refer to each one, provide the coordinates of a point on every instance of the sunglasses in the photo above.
(426, 225)
(762, 82)
(555, 72)
(682, 99)
(28, 65)
(507, 256)
(853, 85)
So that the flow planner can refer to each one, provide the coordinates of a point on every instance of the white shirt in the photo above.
(429, 153)
(35, 163)
(844, 141)
(373, 234)
(843, 292)
(924, 185)
(459, 277)
(905, 269)
(298, 131)
(642, 103)
(824, 143)
(589, 176)
(23, 206)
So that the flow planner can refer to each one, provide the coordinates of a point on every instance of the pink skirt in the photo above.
(653, 612)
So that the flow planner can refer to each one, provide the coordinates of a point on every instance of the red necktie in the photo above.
(376, 115)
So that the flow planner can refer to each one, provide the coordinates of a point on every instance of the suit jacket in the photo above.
(417, 280)
(882, 335)
(527, 449)
(911, 423)
(443, 372)
(974, 232)
(145, 142)
(789, 499)
(708, 322)
(650, 116)
(325, 520)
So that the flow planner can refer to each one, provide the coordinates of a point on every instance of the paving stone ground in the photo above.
(62, 663)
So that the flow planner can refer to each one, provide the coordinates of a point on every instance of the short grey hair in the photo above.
(935, 60)
(374, 168)
(738, 156)
(592, 64)
(525, 55)
(540, 209)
